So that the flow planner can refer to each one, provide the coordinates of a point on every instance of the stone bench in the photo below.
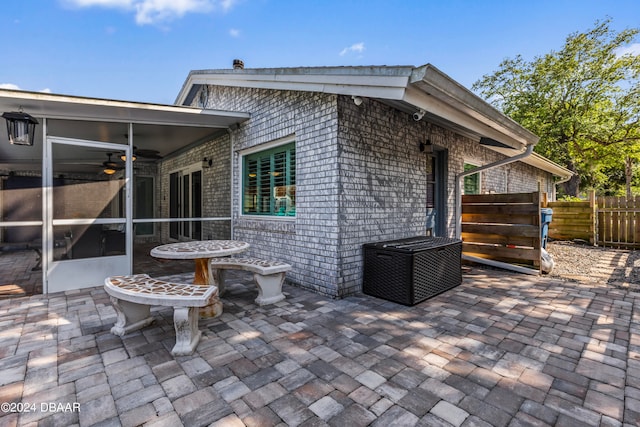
(268, 276)
(132, 297)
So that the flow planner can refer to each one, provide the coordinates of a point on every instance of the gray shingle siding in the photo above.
(360, 177)
(310, 241)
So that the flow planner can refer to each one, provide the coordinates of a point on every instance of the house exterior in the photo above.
(305, 164)
(362, 154)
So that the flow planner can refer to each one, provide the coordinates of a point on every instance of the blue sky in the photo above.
(143, 50)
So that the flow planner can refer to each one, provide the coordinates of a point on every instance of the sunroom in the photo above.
(103, 177)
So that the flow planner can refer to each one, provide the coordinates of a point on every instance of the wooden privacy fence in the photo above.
(573, 220)
(618, 221)
(502, 227)
(605, 221)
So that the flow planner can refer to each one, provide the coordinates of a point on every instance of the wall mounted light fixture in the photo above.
(426, 147)
(21, 127)
(206, 163)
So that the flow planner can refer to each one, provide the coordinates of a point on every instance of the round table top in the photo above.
(199, 249)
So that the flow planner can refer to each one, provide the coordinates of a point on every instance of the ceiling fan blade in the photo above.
(147, 153)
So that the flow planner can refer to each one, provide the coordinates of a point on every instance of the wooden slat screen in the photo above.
(502, 227)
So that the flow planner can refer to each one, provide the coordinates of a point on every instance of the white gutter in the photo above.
(558, 182)
(563, 180)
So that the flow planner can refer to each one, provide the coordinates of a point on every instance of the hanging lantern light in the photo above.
(110, 167)
(21, 128)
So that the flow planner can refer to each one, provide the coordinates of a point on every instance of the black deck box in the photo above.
(409, 271)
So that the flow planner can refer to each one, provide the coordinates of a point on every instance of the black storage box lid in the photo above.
(412, 244)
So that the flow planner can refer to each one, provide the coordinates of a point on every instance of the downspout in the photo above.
(230, 132)
(528, 151)
(561, 181)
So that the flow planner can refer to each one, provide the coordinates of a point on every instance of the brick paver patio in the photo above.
(500, 350)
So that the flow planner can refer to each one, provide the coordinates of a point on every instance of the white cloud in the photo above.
(234, 32)
(226, 5)
(157, 11)
(110, 4)
(11, 86)
(152, 11)
(632, 49)
(354, 48)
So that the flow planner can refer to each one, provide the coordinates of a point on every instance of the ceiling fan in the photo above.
(109, 166)
(142, 154)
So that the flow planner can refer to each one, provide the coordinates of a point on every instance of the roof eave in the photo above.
(371, 82)
(54, 106)
(430, 88)
(406, 87)
(423, 87)
(545, 164)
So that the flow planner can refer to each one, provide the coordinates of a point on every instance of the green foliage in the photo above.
(570, 199)
(583, 101)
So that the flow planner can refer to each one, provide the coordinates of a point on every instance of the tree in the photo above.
(583, 101)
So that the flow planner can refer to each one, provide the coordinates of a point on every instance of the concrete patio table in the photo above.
(201, 251)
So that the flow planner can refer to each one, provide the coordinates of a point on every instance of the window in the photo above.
(471, 182)
(269, 181)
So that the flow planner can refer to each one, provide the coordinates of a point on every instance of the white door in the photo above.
(87, 213)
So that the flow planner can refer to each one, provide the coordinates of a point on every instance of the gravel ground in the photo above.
(582, 262)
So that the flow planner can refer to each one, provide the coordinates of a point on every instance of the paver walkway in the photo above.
(502, 349)
(17, 269)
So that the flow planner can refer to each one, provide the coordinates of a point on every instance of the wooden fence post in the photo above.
(593, 228)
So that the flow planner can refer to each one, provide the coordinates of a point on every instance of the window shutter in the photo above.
(269, 182)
